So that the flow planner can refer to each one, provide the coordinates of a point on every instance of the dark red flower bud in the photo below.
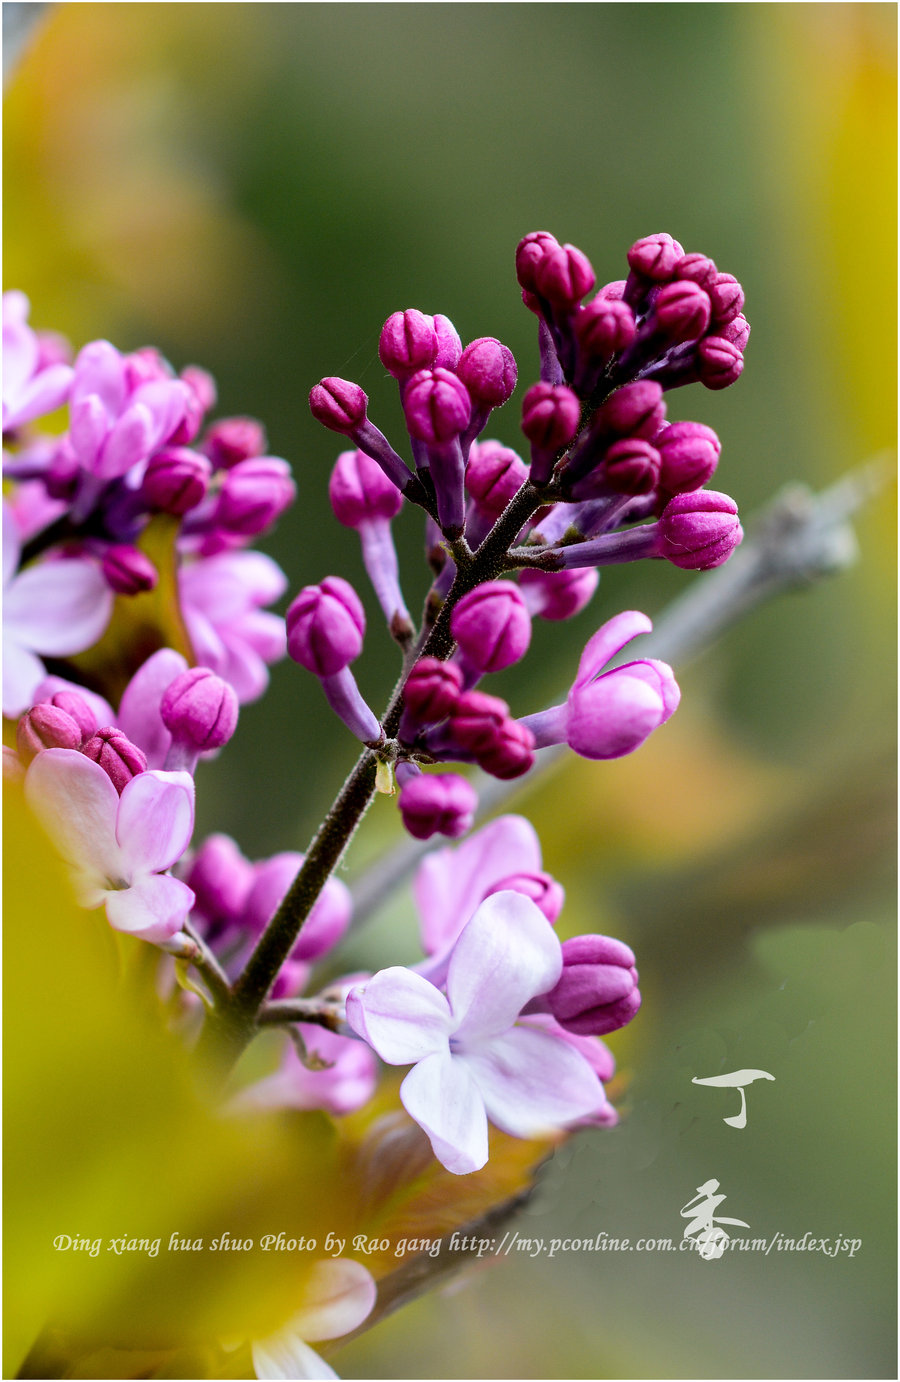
(127, 570)
(118, 757)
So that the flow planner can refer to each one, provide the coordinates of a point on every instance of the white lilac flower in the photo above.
(339, 1296)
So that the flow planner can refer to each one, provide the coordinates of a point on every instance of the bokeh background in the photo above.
(254, 188)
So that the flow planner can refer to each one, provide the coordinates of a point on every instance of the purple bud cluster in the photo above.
(607, 479)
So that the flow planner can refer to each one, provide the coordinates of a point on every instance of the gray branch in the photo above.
(799, 538)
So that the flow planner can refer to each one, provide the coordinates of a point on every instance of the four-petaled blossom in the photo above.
(221, 599)
(31, 387)
(338, 1297)
(52, 609)
(470, 1061)
(118, 846)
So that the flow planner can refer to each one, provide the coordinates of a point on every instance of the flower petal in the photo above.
(155, 821)
(440, 1094)
(400, 1015)
(139, 715)
(12, 544)
(506, 955)
(22, 673)
(450, 883)
(532, 1082)
(58, 607)
(46, 392)
(285, 1355)
(77, 805)
(609, 640)
(153, 908)
(338, 1297)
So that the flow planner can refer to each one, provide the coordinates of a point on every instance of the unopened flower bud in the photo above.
(432, 690)
(488, 370)
(630, 466)
(176, 479)
(697, 268)
(510, 752)
(201, 384)
(529, 253)
(634, 410)
(437, 804)
(234, 439)
(719, 362)
(689, 454)
(655, 257)
(449, 349)
(408, 343)
(563, 275)
(127, 570)
(200, 709)
(360, 491)
(492, 626)
(255, 493)
(118, 757)
(79, 709)
(550, 416)
(437, 406)
(494, 474)
(325, 627)
(476, 719)
(597, 991)
(727, 299)
(542, 888)
(681, 312)
(698, 530)
(221, 879)
(604, 327)
(558, 594)
(338, 404)
(737, 331)
(46, 727)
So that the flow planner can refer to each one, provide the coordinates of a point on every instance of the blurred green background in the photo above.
(254, 188)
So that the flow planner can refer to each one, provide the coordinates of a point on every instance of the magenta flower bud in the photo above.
(200, 709)
(597, 991)
(325, 627)
(234, 439)
(432, 690)
(689, 454)
(78, 708)
(118, 757)
(510, 752)
(408, 342)
(46, 727)
(698, 530)
(604, 327)
(542, 888)
(681, 312)
(488, 370)
(492, 626)
(338, 404)
(176, 479)
(551, 414)
(614, 291)
(727, 299)
(201, 384)
(563, 275)
(630, 466)
(634, 410)
(494, 474)
(437, 406)
(529, 253)
(127, 570)
(719, 362)
(221, 879)
(449, 349)
(437, 804)
(655, 257)
(697, 268)
(737, 331)
(476, 720)
(255, 493)
(558, 594)
(360, 491)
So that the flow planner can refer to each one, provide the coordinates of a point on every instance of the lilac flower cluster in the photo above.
(501, 1022)
(509, 539)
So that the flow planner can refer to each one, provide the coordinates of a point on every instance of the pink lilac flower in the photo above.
(53, 608)
(31, 386)
(118, 847)
(340, 1078)
(338, 1297)
(115, 422)
(221, 600)
(471, 1062)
